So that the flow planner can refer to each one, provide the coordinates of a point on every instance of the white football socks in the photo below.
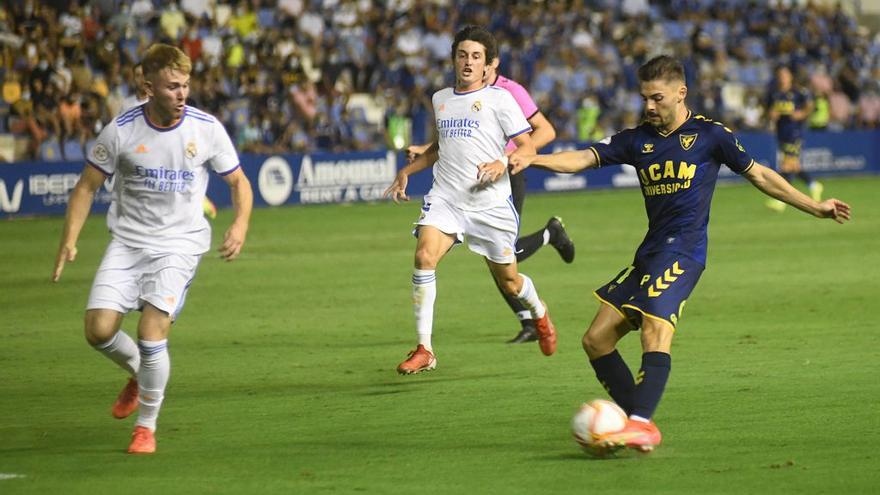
(122, 350)
(152, 378)
(423, 296)
(528, 295)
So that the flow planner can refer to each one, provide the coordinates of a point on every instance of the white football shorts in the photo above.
(490, 233)
(128, 277)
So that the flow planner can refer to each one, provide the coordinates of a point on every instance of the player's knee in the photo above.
(596, 347)
(426, 259)
(98, 330)
(509, 287)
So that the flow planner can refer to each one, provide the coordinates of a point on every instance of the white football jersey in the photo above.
(473, 128)
(161, 174)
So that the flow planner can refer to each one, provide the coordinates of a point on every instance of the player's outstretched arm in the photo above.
(494, 170)
(242, 204)
(414, 150)
(78, 208)
(772, 184)
(567, 162)
(397, 190)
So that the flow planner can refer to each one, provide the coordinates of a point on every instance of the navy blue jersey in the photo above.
(785, 103)
(677, 172)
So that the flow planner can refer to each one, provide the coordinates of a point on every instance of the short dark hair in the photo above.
(662, 67)
(480, 35)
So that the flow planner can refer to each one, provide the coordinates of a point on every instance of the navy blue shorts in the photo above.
(654, 286)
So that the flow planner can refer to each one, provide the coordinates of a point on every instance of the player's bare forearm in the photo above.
(772, 184)
(78, 207)
(414, 150)
(242, 205)
(566, 162)
(424, 160)
(397, 190)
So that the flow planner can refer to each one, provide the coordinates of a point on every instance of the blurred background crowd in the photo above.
(340, 75)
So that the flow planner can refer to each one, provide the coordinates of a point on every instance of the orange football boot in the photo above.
(637, 435)
(142, 441)
(546, 332)
(127, 401)
(419, 360)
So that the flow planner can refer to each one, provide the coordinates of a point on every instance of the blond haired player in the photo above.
(160, 154)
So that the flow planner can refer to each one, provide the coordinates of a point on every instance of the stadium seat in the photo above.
(73, 151)
(676, 30)
(50, 151)
(266, 18)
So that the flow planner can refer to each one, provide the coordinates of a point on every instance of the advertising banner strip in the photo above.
(38, 188)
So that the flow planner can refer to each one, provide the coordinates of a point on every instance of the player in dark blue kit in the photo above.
(677, 156)
(788, 108)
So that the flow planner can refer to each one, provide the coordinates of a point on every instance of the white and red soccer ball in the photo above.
(594, 419)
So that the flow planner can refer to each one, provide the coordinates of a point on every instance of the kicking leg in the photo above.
(640, 432)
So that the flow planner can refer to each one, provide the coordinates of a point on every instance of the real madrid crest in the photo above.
(687, 140)
(477, 106)
(191, 150)
(100, 153)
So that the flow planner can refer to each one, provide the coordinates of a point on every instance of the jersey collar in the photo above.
(165, 129)
(667, 134)
(455, 91)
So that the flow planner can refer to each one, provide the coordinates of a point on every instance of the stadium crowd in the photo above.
(295, 75)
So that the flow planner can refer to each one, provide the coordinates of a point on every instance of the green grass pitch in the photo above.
(283, 362)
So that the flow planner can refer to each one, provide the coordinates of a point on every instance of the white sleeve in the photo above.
(511, 117)
(225, 159)
(104, 154)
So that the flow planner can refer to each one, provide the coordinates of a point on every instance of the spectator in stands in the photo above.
(70, 117)
(561, 51)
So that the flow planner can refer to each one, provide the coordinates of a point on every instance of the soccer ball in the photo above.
(595, 419)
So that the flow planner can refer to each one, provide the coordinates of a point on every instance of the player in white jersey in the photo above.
(553, 232)
(137, 98)
(160, 155)
(470, 198)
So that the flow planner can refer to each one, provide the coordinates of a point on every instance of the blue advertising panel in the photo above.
(37, 188)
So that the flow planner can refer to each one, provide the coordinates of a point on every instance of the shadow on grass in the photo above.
(621, 456)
